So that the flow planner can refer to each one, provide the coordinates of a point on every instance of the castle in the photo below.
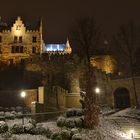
(19, 42)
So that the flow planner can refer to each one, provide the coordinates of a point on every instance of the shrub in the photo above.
(17, 129)
(79, 112)
(9, 115)
(48, 133)
(29, 128)
(2, 113)
(65, 134)
(77, 137)
(61, 121)
(19, 109)
(78, 122)
(70, 123)
(1, 108)
(70, 112)
(56, 136)
(12, 108)
(3, 127)
(32, 121)
(6, 136)
(74, 131)
(41, 130)
(19, 115)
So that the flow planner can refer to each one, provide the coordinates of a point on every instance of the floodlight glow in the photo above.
(55, 47)
(97, 90)
(132, 133)
(23, 94)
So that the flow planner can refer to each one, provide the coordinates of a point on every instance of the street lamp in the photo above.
(97, 91)
(23, 95)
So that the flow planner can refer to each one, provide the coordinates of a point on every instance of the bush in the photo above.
(78, 122)
(32, 121)
(41, 130)
(17, 129)
(19, 115)
(1, 108)
(12, 108)
(29, 128)
(56, 136)
(65, 134)
(9, 115)
(3, 127)
(19, 109)
(48, 133)
(79, 112)
(2, 113)
(70, 123)
(70, 113)
(77, 137)
(74, 131)
(61, 121)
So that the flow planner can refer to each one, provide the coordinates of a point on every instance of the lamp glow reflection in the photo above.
(23, 94)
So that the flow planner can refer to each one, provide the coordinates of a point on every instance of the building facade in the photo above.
(19, 43)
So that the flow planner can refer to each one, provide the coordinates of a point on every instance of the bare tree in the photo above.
(127, 42)
(86, 38)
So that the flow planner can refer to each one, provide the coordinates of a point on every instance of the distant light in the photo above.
(55, 47)
(97, 90)
(23, 94)
(132, 133)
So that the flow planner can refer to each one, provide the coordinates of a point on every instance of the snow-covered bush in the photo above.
(48, 133)
(32, 121)
(19, 109)
(14, 112)
(1, 113)
(19, 115)
(3, 127)
(12, 108)
(70, 123)
(17, 129)
(41, 130)
(76, 137)
(78, 122)
(70, 112)
(29, 128)
(65, 135)
(79, 112)
(1, 108)
(9, 115)
(2, 117)
(74, 131)
(61, 121)
(6, 136)
(56, 136)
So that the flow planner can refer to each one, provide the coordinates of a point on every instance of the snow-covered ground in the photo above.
(110, 127)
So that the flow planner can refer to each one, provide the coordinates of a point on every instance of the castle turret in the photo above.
(68, 48)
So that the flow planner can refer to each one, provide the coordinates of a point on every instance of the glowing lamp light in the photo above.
(97, 90)
(23, 94)
(132, 133)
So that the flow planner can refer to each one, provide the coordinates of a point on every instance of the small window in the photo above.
(20, 39)
(21, 49)
(13, 49)
(33, 49)
(15, 39)
(0, 50)
(34, 39)
(17, 49)
(0, 39)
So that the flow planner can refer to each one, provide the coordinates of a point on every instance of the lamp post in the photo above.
(97, 91)
(23, 95)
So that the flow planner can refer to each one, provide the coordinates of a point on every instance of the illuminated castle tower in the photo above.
(58, 48)
(20, 42)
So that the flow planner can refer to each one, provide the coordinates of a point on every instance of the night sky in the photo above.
(60, 15)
